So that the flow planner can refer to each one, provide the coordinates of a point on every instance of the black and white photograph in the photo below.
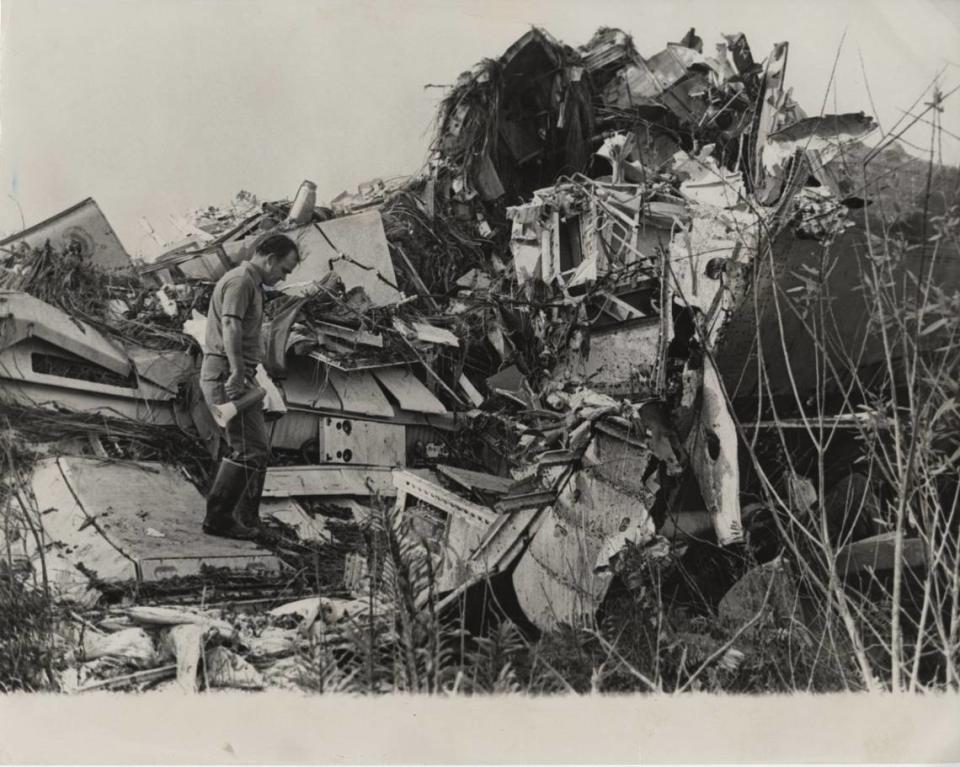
(480, 353)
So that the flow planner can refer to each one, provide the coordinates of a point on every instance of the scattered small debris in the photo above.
(524, 364)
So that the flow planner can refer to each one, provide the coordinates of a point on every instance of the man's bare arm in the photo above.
(233, 348)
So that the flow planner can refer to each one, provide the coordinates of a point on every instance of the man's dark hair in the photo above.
(277, 245)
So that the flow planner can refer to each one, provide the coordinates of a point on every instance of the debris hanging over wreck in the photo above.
(529, 364)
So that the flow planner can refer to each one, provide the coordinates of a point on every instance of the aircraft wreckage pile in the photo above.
(529, 358)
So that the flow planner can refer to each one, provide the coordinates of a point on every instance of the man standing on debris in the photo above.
(233, 351)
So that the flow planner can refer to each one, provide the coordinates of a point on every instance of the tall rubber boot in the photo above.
(248, 507)
(228, 487)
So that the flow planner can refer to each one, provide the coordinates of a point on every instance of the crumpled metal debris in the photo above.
(534, 348)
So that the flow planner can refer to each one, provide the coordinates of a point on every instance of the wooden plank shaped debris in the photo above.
(426, 489)
(408, 390)
(124, 499)
(471, 391)
(429, 334)
(359, 393)
(287, 481)
(477, 480)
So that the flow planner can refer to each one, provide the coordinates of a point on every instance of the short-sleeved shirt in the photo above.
(237, 294)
